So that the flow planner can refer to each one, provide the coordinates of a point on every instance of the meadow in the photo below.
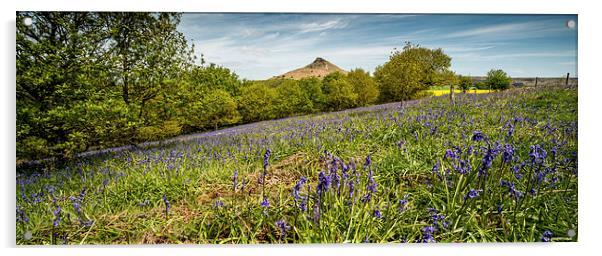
(495, 167)
(439, 92)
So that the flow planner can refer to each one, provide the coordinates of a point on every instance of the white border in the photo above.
(589, 91)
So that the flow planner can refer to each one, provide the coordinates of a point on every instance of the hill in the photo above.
(318, 68)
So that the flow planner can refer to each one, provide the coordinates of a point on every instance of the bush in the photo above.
(364, 86)
(157, 132)
(497, 79)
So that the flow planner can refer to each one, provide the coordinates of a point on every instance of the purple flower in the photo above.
(427, 236)
(265, 204)
(463, 167)
(218, 204)
(486, 162)
(317, 212)
(451, 154)
(377, 213)
(57, 216)
(303, 204)
(402, 203)
(512, 189)
(283, 227)
(547, 236)
(472, 193)
(167, 205)
(508, 153)
(477, 136)
(368, 162)
(235, 179)
(266, 158)
(436, 167)
(537, 154)
(323, 183)
(21, 217)
(298, 187)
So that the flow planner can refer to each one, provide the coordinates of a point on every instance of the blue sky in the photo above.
(259, 46)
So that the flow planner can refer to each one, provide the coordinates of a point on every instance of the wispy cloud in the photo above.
(512, 30)
(322, 26)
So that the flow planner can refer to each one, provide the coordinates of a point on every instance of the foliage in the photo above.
(409, 71)
(364, 86)
(465, 83)
(339, 92)
(291, 99)
(497, 79)
(257, 102)
(85, 79)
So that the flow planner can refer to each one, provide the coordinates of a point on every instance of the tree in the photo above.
(214, 77)
(312, 87)
(87, 80)
(291, 99)
(339, 92)
(465, 82)
(364, 86)
(497, 79)
(147, 52)
(61, 85)
(410, 71)
(256, 102)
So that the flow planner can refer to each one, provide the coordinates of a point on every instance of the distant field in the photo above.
(439, 92)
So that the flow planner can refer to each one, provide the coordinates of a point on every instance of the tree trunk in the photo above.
(451, 95)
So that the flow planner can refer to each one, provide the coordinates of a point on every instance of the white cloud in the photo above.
(322, 26)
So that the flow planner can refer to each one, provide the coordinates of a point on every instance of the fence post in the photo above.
(566, 82)
(535, 82)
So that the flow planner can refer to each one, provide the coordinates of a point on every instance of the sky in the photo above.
(262, 45)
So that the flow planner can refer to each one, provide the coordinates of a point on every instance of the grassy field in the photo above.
(494, 167)
(439, 92)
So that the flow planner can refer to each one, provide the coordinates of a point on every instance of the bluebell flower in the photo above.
(452, 154)
(235, 179)
(298, 187)
(57, 216)
(547, 236)
(266, 158)
(317, 212)
(427, 236)
(512, 189)
(167, 205)
(477, 136)
(402, 203)
(510, 131)
(463, 167)
(368, 162)
(377, 213)
(21, 217)
(486, 162)
(472, 193)
(436, 168)
(265, 203)
(323, 183)
(303, 204)
(537, 154)
(218, 204)
(283, 227)
(508, 153)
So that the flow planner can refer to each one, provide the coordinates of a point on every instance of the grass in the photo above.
(404, 174)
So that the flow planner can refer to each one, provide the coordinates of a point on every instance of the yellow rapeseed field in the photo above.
(442, 92)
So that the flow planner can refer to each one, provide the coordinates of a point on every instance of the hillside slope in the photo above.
(318, 68)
